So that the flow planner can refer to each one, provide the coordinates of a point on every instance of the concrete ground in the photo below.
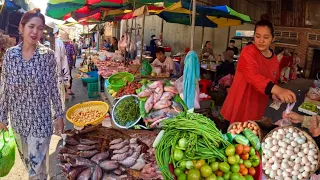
(19, 172)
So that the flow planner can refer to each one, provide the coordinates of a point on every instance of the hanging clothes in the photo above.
(191, 78)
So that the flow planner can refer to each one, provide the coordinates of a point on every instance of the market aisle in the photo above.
(18, 172)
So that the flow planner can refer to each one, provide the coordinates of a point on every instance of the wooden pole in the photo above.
(142, 38)
(193, 23)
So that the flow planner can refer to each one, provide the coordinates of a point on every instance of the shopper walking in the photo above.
(28, 92)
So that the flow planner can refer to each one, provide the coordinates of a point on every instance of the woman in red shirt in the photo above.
(255, 80)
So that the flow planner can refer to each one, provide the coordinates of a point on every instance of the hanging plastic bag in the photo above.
(146, 68)
(286, 122)
(178, 84)
(7, 151)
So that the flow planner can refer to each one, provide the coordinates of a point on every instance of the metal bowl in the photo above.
(114, 111)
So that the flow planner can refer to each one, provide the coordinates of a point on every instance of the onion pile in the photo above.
(287, 154)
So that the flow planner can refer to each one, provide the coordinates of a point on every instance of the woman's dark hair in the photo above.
(280, 51)
(206, 43)
(153, 36)
(31, 14)
(115, 39)
(265, 22)
(249, 43)
(160, 49)
(232, 41)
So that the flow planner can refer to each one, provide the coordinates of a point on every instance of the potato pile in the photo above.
(85, 116)
(239, 127)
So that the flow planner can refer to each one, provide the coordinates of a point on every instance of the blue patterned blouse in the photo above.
(28, 91)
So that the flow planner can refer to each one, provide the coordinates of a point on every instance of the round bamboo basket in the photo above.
(236, 123)
(308, 137)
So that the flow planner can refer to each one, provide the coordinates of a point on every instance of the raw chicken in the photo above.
(162, 104)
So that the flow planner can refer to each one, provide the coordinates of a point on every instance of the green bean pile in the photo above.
(128, 111)
(204, 141)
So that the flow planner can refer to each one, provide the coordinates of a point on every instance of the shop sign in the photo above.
(242, 33)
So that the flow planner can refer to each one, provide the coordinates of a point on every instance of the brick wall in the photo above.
(304, 43)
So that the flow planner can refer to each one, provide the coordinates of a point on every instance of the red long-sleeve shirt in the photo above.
(251, 87)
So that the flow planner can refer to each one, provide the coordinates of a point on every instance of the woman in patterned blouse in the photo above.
(28, 91)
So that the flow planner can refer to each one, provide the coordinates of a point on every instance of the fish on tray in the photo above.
(88, 141)
(82, 147)
(120, 157)
(109, 165)
(122, 150)
(83, 161)
(116, 141)
(162, 104)
(88, 154)
(119, 145)
(131, 160)
(97, 173)
(100, 157)
(74, 172)
(67, 150)
(85, 174)
(70, 140)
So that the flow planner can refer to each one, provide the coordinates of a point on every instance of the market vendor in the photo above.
(114, 45)
(207, 51)
(312, 123)
(29, 95)
(256, 79)
(164, 62)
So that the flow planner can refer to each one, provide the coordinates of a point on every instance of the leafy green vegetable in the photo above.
(127, 111)
(178, 99)
(143, 112)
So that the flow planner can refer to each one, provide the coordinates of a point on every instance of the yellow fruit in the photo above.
(114, 94)
(111, 91)
(153, 74)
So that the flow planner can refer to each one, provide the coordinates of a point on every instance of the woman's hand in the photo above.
(3, 126)
(293, 117)
(314, 126)
(284, 95)
(275, 97)
(59, 125)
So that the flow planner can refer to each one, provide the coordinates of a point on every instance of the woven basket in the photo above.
(236, 123)
(94, 105)
(309, 138)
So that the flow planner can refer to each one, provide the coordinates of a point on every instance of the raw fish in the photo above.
(97, 173)
(131, 160)
(82, 147)
(85, 174)
(149, 104)
(167, 95)
(162, 104)
(145, 93)
(74, 172)
(109, 165)
(71, 140)
(67, 150)
(157, 94)
(156, 84)
(122, 150)
(120, 157)
(119, 145)
(88, 154)
(115, 141)
(88, 142)
(171, 89)
(83, 161)
(99, 157)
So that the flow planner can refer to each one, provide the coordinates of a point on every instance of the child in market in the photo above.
(312, 123)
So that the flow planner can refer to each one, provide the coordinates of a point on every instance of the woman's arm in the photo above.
(3, 91)
(54, 92)
(65, 71)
